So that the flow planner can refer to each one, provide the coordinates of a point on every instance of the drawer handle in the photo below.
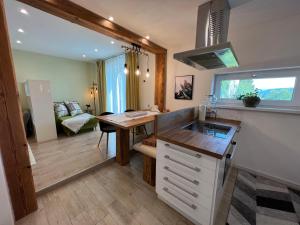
(180, 163)
(183, 177)
(175, 196)
(195, 195)
(172, 148)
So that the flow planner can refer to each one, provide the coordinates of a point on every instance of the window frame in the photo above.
(264, 73)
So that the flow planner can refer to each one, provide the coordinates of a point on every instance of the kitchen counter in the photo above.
(199, 142)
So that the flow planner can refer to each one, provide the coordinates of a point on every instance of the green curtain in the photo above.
(101, 86)
(132, 82)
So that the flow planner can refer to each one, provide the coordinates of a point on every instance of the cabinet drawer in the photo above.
(188, 193)
(200, 187)
(187, 155)
(184, 204)
(186, 169)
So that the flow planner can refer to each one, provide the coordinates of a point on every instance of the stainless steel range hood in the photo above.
(212, 49)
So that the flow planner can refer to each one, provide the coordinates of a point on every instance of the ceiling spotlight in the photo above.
(83, 56)
(19, 42)
(147, 37)
(95, 50)
(20, 30)
(112, 42)
(24, 11)
(111, 18)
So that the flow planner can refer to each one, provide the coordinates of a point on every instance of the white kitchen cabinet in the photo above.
(189, 181)
(40, 101)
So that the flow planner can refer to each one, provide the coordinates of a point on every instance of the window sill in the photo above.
(260, 109)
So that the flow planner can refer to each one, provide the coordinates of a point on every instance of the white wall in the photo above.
(269, 142)
(147, 85)
(6, 214)
(69, 79)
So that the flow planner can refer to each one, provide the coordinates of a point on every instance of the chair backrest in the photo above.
(129, 110)
(103, 125)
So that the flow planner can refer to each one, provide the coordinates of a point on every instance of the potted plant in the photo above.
(250, 99)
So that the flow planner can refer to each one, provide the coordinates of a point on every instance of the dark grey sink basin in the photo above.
(211, 129)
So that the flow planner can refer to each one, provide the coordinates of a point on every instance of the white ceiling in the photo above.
(172, 23)
(50, 35)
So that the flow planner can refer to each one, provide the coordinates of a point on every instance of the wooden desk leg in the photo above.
(122, 139)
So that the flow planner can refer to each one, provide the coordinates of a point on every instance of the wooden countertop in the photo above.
(200, 142)
(127, 124)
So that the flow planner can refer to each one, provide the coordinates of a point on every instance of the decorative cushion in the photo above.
(60, 109)
(73, 107)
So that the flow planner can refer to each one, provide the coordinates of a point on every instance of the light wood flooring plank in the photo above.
(113, 195)
(67, 156)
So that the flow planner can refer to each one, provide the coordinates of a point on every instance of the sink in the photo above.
(211, 129)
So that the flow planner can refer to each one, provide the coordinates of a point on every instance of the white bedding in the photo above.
(76, 122)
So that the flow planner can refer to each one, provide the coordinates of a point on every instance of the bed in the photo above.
(71, 120)
(89, 126)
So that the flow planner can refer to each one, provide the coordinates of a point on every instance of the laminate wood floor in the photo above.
(67, 156)
(112, 195)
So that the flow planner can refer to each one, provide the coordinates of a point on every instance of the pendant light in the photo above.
(136, 49)
(148, 71)
(125, 69)
(137, 72)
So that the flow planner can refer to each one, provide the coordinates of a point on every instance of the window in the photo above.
(115, 84)
(275, 87)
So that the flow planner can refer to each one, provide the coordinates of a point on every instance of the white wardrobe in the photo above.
(40, 101)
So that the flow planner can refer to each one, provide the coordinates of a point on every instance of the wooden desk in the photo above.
(123, 131)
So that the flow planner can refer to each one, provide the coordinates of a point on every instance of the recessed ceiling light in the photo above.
(112, 42)
(20, 30)
(96, 50)
(18, 42)
(24, 11)
(83, 56)
(147, 37)
(111, 18)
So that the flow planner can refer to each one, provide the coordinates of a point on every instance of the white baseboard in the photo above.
(263, 174)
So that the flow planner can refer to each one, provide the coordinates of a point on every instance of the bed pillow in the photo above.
(73, 107)
(60, 109)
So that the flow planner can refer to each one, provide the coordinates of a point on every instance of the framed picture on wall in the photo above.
(184, 87)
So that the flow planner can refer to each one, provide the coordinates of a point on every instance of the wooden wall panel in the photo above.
(13, 141)
(160, 80)
(173, 119)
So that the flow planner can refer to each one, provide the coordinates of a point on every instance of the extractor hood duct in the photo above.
(212, 50)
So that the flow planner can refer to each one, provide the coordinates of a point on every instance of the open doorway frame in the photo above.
(13, 143)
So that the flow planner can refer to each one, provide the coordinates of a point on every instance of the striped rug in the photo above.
(260, 201)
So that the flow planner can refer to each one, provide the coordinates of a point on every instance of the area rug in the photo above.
(260, 201)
